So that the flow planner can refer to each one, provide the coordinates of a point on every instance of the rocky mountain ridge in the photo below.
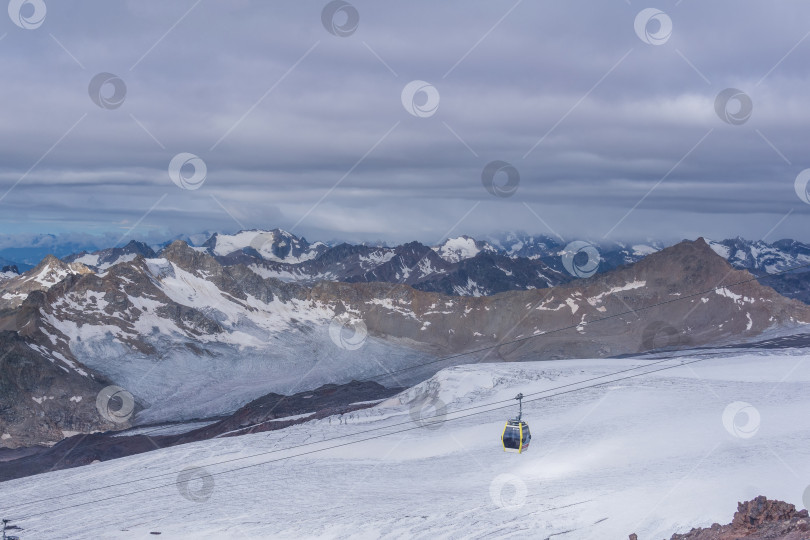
(44, 400)
(460, 266)
(101, 260)
(46, 274)
(537, 260)
(466, 266)
(189, 337)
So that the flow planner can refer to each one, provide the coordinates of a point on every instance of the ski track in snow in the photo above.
(648, 455)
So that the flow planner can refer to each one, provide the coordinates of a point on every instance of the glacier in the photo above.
(654, 455)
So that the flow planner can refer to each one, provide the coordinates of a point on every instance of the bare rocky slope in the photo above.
(46, 274)
(267, 413)
(42, 400)
(191, 338)
(758, 519)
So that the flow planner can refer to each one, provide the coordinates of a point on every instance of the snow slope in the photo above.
(648, 455)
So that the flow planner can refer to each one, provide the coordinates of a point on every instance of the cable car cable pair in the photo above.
(317, 450)
(259, 454)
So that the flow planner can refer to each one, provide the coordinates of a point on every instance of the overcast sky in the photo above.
(610, 123)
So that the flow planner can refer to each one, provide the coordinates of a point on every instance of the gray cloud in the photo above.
(295, 131)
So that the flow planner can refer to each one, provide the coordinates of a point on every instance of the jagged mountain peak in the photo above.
(135, 246)
(274, 245)
(43, 276)
(104, 259)
(51, 270)
(460, 266)
(49, 260)
(522, 244)
(761, 257)
(195, 261)
(177, 246)
(462, 247)
(8, 271)
(693, 256)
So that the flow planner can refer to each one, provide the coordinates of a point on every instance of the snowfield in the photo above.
(653, 455)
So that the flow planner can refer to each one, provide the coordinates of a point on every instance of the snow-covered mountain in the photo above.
(461, 266)
(276, 246)
(8, 272)
(50, 271)
(760, 257)
(9, 266)
(457, 249)
(197, 332)
(190, 338)
(654, 455)
(518, 244)
(105, 258)
(613, 254)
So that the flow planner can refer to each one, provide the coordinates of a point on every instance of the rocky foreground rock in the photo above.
(759, 519)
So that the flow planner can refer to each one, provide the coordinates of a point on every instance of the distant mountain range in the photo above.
(460, 266)
(464, 266)
(104, 259)
(192, 333)
(764, 259)
(265, 311)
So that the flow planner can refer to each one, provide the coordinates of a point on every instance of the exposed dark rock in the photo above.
(108, 257)
(758, 519)
(45, 399)
(257, 416)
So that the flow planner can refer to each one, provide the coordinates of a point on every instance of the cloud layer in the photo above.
(306, 130)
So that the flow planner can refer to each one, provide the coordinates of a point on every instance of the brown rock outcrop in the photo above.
(757, 519)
